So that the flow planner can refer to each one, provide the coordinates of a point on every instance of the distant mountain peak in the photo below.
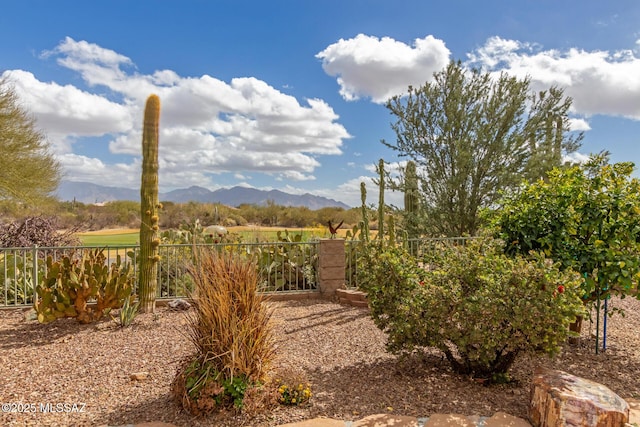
(85, 192)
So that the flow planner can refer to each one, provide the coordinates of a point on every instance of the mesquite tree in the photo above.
(471, 135)
(29, 171)
(149, 207)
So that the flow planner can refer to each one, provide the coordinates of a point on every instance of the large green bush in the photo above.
(586, 217)
(478, 306)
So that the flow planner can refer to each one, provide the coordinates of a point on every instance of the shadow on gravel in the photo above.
(19, 333)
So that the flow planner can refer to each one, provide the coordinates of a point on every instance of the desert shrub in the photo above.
(475, 304)
(37, 230)
(230, 330)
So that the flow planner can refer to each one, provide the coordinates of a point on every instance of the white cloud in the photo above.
(67, 110)
(576, 124)
(575, 158)
(380, 68)
(208, 126)
(86, 169)
(600, 82)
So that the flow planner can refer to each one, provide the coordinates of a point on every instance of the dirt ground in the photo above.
(89, 367)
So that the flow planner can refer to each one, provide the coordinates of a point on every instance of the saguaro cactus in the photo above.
(411, 200)
(149, 207)
(381, 172)
(364, 229)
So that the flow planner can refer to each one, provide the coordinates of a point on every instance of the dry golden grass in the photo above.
(110, 232)
(230, 328)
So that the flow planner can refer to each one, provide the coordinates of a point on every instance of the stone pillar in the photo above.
(331, 266)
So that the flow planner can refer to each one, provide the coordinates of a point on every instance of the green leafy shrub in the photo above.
(85, 288)
(587, 217)
(230, 330)
(475, 304)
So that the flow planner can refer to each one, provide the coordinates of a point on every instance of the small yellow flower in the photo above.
(293, 400)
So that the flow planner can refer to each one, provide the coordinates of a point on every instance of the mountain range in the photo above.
(88, 193)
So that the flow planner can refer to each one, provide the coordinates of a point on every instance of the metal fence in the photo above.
(282, 266)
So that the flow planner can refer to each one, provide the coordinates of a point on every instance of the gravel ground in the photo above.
(89, 367)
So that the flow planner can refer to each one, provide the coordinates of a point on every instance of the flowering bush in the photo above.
(478, 306)
(292, 388)
(294, 395)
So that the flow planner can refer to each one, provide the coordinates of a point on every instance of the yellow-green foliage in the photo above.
(72, 283)
(230, 330)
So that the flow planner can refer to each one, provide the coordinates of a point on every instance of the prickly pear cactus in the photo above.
(83, 288)
(149, 207)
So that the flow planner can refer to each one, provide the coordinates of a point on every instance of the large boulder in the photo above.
(561, 399)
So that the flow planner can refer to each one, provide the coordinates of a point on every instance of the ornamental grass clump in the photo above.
(479, 307)
(231, 333)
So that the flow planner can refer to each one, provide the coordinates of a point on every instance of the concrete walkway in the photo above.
(436, 420)
(500, 419)
(386, 420)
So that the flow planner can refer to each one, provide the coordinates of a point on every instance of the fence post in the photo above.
(331, 266)
(34, 276)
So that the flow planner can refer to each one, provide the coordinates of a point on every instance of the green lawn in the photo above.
(249, 235)
(109, 239)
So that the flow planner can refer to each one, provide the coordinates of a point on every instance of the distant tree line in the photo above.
(126, 214)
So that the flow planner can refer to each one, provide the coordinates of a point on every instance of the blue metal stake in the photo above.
(604, 327)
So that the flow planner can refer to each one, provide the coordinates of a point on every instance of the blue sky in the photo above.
(290, 94)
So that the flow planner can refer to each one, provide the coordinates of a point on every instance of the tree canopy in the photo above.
(585, 217)
(28, 171)
(471, 135)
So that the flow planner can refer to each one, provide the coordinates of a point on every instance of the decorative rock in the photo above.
(500, 419)
(449, 420)
(562, 399)
(316, 422)
(386, 420)
(634, 411)
(179, 305)
(30, 315)
(139, 376)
